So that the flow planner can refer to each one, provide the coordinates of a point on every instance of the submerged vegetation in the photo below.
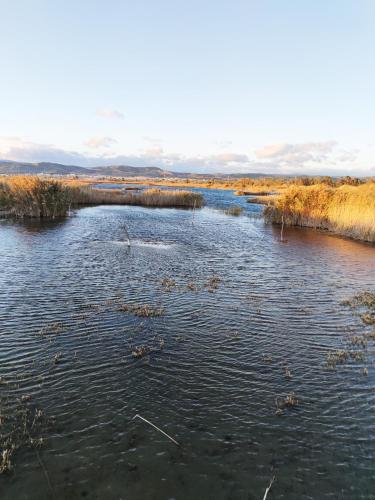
(33, 196)
(143, 311)
(21, 427)
(363, 304)
(348, 210)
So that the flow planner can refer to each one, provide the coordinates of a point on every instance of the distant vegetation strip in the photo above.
(348, 210)
(33, 196)
(345, 206)
(251, 186)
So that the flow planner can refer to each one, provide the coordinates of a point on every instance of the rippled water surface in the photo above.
(240, 309)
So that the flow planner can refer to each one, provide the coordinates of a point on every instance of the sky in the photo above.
(272, 86)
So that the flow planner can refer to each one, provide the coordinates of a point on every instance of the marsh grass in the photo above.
(154, 197)
(358, 340)
(342, 356)
(213, 284)
(363, 299)
(235, 211)
(288, 373)
(20, 427)
(33, 196)
(290, 401)
(368, 318)
(364, 303)
(52, 328)
(6, 465)
(347, 210)
(166, 198)
(168, 284)
(192, 286)
(140, 351)
(262, 200)
(143, 311)
(252, 193)
(57, 358)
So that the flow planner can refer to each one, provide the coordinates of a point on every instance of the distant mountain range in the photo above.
(16, 168)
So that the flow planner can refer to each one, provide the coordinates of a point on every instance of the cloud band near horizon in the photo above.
(315, 158)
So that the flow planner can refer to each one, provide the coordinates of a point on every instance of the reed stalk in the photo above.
(345, 210)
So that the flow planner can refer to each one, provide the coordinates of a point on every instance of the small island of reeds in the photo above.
(346, 210)
(37, 197)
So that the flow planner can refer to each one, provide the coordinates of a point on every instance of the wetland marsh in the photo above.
(208, 326)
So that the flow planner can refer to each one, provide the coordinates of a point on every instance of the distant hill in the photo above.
(127, 171)
(46, 168)
(15, 167)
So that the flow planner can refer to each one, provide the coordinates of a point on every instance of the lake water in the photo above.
(243, 309)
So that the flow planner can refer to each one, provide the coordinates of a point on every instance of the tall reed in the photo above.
(347, 210)
(32, 196)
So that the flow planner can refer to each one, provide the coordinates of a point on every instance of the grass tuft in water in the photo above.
(339, 356)
(143, 311)
(140, 351)
(235, 210)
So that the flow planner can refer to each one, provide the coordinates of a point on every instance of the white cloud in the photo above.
(345, 156)
(100, 142)
(290, 152)
(271, 151)
(154, 151)
(225, 158)
(18, 149)
(308, 158)
(152, 140)
(223, 143)
(109, 113)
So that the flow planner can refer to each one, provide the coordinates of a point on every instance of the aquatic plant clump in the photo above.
(163, 198)
(235, 210)
(31, 196)
(364, 302)
(347, 210)
(37, 197)
(143, 311)
(167, 198)
(20, 427)
(140, 351)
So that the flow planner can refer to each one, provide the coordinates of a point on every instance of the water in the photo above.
(216, 363)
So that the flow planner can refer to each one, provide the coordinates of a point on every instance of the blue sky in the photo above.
(229, 86)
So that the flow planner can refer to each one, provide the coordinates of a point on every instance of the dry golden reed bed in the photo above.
(30, 196)
(33, 196)
(346, 210)
(345, 206)
(147, 198)
(242, 186)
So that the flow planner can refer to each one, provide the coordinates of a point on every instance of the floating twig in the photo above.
(157, 428)
(268, 489)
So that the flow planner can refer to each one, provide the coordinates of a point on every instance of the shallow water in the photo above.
(216, 363)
